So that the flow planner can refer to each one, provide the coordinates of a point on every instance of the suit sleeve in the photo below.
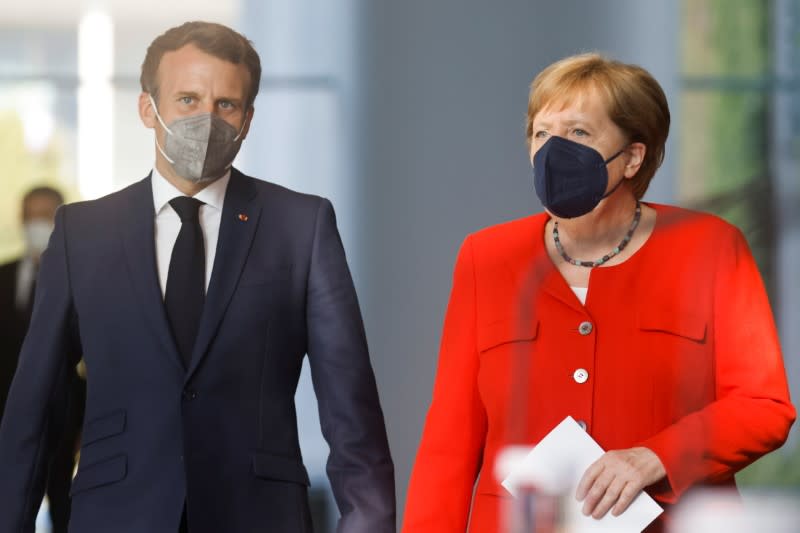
(40, 380)
(359, 466)
(752, 413)
(450, 452)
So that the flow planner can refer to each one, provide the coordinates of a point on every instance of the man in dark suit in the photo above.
(193, 296)
(17, 286)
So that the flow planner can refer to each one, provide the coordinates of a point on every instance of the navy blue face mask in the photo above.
(570, 178)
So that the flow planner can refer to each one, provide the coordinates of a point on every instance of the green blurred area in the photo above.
(23, 170)
(725, 106)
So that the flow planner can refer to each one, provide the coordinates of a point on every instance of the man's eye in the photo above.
(186, 99)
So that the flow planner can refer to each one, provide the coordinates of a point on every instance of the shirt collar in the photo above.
(213, 195)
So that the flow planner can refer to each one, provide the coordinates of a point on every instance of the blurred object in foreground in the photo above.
(539, 502)
(534, 510)
(711, 511)
(544, 483)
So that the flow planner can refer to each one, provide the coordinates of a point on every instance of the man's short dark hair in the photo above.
(42, 190)
(215, 39)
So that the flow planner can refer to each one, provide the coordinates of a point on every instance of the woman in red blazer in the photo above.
(646, 323)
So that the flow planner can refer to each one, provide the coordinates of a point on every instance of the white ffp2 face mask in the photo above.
(37, 235)
(200, 148)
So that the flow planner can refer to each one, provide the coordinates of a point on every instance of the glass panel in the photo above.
(735, 136)
(38, 120)
(724, 118)
(726, 37)
(37, 146)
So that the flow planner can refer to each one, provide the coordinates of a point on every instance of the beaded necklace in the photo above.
(621, 246)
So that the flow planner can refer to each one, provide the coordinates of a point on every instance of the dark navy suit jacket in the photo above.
(220, 436)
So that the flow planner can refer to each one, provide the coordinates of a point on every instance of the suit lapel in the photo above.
(539, 273)
(236, 231)
(555, 285)
(138, 228)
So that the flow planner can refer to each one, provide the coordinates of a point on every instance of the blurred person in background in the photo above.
(648, 324)
(194, 295)
(17, 287)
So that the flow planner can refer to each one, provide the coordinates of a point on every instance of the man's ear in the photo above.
(634, 157)
(146, 111)
(248, 117)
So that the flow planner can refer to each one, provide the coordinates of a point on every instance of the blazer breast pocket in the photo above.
(507, 332)
(103, 427)
(678, 322)
(678, 360)
(279, 468)
(100, 473)
(260, 275)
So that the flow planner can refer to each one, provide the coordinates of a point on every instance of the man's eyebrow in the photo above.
(180, 94)
(230, 99)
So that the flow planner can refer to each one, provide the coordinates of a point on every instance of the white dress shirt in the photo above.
(26, 275)
(581, 293)
(168, 224)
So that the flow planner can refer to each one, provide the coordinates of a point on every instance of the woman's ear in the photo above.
(634, 157)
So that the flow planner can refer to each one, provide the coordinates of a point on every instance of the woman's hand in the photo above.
(614, 480)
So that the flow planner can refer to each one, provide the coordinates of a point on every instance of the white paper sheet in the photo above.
(558, 462)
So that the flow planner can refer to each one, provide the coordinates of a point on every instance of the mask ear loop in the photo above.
(158, 116)
(613, 157)
(615, 187)
(241, 130)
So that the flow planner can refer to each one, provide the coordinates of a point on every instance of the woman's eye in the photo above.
(540, 134)
(580, 133)
(186, 99)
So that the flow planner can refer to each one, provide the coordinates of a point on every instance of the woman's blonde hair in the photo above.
(634, 101)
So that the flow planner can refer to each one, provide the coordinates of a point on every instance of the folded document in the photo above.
(558, 462)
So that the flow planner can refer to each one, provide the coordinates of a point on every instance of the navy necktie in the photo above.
(186, 279)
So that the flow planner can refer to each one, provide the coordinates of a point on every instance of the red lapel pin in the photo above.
(243, 217)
